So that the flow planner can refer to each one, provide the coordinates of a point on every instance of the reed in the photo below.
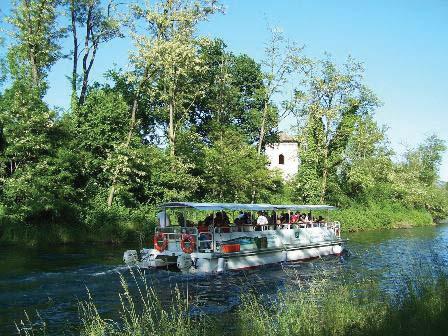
(320, 307)
(355, 309)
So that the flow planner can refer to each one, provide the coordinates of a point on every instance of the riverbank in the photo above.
(382, 216)
(118, 225)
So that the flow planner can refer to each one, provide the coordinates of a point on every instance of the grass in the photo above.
(320, 307)
(359, 309)
(381, 216)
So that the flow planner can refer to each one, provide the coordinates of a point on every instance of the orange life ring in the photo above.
(188, 238)
(160, 237)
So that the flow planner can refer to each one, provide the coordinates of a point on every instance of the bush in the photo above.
(381, 216)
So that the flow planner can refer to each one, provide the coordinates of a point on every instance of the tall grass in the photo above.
(359, 309)
(320, 307)
(143, 314)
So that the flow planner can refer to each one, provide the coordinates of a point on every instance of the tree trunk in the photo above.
(262, 127)
(171, 135)
(126, 145)
(324, 174)
(89, 43)
(75, 49)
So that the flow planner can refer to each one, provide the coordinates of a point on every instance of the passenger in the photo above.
(273, 218)
(261, 220)
(209, 220)
(320, 219)
(240, 219)
(284, 218)
(295, 217)
(181, 219)
(202, 227)
(225, 219)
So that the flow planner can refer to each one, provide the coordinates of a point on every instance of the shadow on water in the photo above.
(52, 281)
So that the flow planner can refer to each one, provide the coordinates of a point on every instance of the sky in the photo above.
(403, 45)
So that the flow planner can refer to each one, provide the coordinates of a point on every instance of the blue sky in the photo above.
(403, 45)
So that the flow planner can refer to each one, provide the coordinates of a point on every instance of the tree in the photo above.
(37, 38)
(101, 25)
(232, 169)
(367, 159)
(164, 62)
(231, 99)
(329, 109)
(280, 59)
(426, 159)
(169, 55)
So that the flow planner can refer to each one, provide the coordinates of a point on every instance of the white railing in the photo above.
(205, 241)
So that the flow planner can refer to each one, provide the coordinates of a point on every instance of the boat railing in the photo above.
(205, 241)
(174, 233)
(335, 226)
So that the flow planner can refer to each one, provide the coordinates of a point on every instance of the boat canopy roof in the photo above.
(244, 207)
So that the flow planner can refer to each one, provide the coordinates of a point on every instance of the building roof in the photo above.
(285, 137)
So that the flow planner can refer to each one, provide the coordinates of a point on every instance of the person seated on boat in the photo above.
(284, 218)
(202, 227)
(295, 217)
(208, 220)
(261, 220)
(306, 219)
(181, 219)
(225, 219)
(320, 219)
(222, 221)
(273, 218)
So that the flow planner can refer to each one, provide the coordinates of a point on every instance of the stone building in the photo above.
(284, 155)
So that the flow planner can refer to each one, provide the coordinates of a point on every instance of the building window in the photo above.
(281, 159)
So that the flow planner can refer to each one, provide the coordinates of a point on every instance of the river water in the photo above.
(53, 281)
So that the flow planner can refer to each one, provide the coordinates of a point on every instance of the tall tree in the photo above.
(279, 61)
(169, 53)
(164, 62)
(100, 24)
(231, 97)
(329, 107)
(36, 35)
(426, 159)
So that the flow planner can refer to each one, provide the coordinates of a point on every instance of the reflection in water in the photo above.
(53, 280)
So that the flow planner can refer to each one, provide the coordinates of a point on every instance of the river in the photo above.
(53, 280)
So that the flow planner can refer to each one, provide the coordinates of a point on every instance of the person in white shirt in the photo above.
(164, 220)
(262, 220)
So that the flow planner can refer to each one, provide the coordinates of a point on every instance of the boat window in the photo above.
(281, 159)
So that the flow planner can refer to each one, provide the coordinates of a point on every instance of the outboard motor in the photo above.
(184, 262)
(130, 257)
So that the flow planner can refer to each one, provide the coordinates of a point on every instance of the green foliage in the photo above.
(235, 172)
(383, 215)
(329, 108)
(328, 309)
(37, 35)
(188, 122)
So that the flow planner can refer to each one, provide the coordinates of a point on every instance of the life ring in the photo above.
(188, 238)
(160, 237)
